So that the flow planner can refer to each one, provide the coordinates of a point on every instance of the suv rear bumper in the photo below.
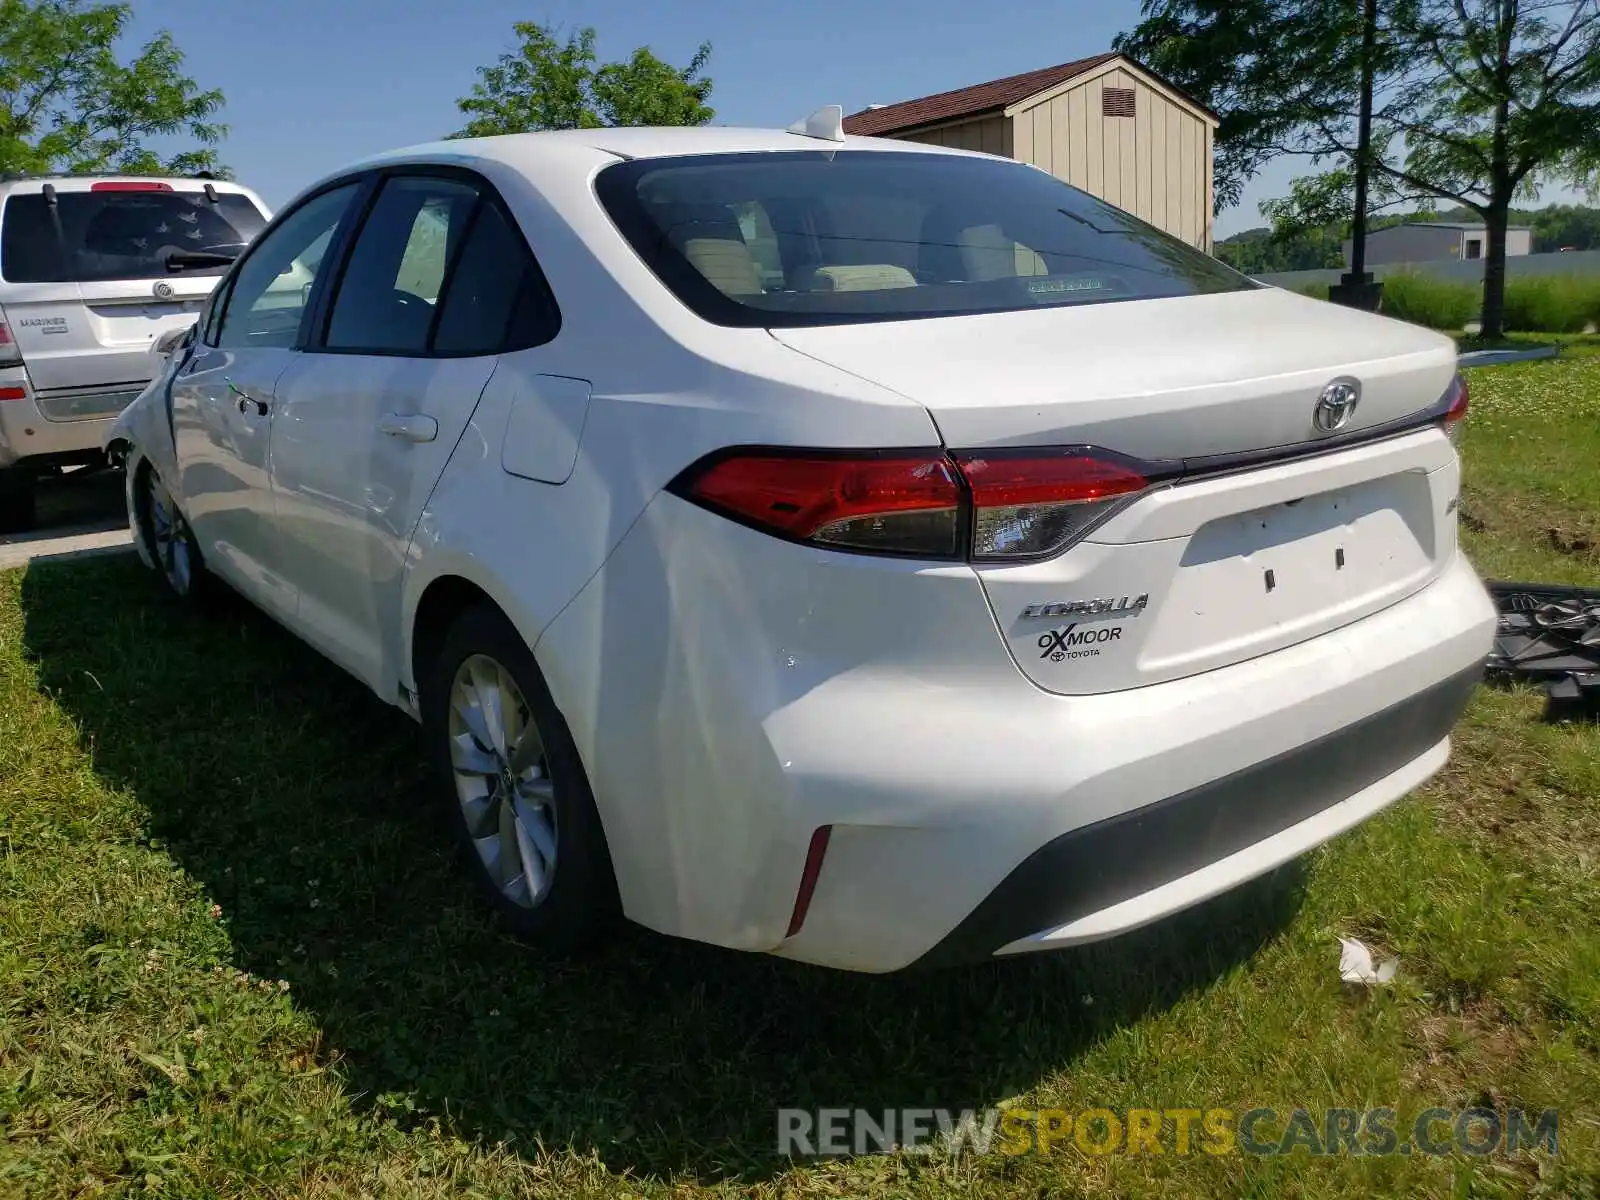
(29, 438)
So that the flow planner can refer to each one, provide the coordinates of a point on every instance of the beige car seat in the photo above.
(715, 246)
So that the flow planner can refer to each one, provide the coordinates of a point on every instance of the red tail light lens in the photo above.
(1035, 502)
(13, 393)
(889, 503)
(1018, 504)
(1455, 406)
(130, 185)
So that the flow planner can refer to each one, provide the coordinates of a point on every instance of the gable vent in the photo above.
(1117, 102)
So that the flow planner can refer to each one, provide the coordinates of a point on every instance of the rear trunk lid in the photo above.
(1225, 563)
(88, 287)
(1158, 379)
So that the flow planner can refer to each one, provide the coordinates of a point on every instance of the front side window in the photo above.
(272, 286)
(386, 298)
(820, 237)
(119, 231)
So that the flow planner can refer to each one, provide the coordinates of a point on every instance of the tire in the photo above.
(169, 539)
(18, 512)
(541, 861)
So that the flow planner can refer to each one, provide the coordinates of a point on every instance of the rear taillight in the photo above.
(13, 393)
(10, 355)
(130, 185)
(889, 503)
(1000, 505)
(1455, 406)
(1030, 502)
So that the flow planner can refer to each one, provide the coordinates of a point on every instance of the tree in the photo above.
(1507, 90)
(1563, 226)
(546, 84)
(1278, 72)
(68, 104)
(1264, 251)
(1477, 99)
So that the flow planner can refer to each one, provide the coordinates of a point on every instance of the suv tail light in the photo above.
(1455, 407)
(10, 355)
(130, 185)
(992, 506)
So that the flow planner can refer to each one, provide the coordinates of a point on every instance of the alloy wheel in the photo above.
(169, 537)
(502, 780)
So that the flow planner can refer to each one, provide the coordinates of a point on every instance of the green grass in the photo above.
(1531, 500)
(234, 958)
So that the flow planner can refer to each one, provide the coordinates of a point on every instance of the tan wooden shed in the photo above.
(1104, 124)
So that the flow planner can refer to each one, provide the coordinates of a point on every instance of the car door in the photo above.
(367, 419)
(222, 397)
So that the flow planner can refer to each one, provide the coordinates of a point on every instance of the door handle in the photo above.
(413, 427)
(246, 400)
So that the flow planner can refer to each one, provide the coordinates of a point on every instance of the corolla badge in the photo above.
(1336, 405)
(1108, 606)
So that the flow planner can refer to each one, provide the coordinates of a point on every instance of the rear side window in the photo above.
(497, 299)
(839, 237)
(98, 235)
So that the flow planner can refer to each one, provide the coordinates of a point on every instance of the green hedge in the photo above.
(1534, 304)
(1436, 303)
(1552, 303)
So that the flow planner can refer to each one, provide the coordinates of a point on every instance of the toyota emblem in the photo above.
(163, 290)
(1336, 404)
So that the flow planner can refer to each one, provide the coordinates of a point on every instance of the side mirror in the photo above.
(172, 340)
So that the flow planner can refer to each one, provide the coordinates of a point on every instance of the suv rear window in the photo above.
(836, 237)
(118, 235)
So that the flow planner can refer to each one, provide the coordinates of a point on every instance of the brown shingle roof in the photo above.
(967, 101)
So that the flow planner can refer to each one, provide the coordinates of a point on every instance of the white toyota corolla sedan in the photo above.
(864, 552)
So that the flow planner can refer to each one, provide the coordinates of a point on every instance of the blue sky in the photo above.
(313, 84)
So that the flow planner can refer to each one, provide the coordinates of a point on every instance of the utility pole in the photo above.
(1356, 288)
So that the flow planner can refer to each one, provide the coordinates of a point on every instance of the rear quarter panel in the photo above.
(664, 387)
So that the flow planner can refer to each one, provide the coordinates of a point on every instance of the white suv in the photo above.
(93, 269)
(863, 552)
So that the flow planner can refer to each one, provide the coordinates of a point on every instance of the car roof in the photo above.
(519, 150)
(82, 183)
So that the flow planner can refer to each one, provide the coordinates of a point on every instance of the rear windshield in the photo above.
(88, 236)
(823, 238)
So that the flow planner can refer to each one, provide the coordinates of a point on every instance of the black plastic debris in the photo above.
(1550, 634)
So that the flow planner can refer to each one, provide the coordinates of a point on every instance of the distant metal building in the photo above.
(1435, 241)
(1104, 124)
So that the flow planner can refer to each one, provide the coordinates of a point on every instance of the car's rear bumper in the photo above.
(1125, 871)
(728, 704)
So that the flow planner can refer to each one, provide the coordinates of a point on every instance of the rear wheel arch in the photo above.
(442, 602)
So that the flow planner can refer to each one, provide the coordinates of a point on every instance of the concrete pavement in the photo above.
(78, 515)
